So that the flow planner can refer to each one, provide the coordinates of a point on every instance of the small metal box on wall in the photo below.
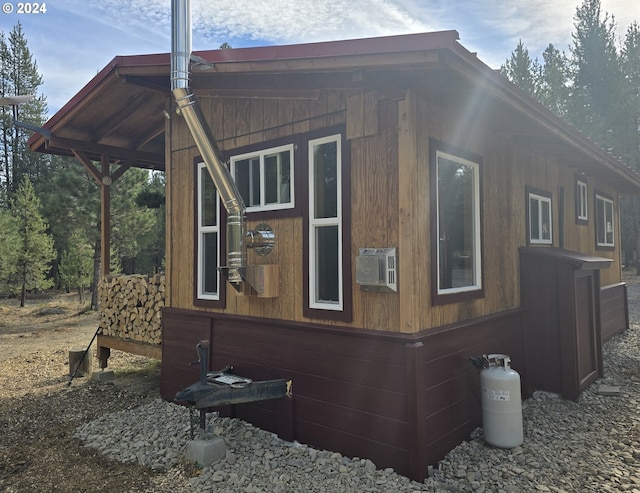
(376, 269)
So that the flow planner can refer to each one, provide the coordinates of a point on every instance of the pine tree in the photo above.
(35, 249)
(9, 246)
(18, 77)
(554, 81)
(629, 131)
(76, 265)
(630, 119)
(152, 198)
(71, 204)
(597, 76)
(522, 70)
(132, 226)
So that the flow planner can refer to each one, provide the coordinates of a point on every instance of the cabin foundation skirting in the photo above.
(401, 400)
(614, 310)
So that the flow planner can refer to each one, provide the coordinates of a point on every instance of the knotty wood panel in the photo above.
(374, 213)
(256, 121)
(180, 232)
(412, 235)
(362, 114)
(301, 115)
(355, 115)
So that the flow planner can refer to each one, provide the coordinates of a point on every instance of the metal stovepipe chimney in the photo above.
(188, 107)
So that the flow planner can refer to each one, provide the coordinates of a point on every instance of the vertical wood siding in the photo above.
(389, 201)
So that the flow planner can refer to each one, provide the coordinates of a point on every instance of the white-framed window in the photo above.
(458, 224)
(208, 205)
(540, 224)
(582, 211)
(325, 224)
(604, 222)
(265, 178)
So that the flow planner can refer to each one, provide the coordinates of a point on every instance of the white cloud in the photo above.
(286, 21)
(541, 22)
(77, 38)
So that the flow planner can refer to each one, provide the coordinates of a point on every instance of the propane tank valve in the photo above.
(479, 362)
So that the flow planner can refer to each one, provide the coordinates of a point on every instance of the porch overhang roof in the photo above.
(120, 113)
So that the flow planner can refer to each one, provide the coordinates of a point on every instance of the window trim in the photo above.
(316, 223)
(475, 291)
(260, 153)
(582, 202)
(299, 178)
(607, 200)
(315, 310)
(199, 298)
(541, 196)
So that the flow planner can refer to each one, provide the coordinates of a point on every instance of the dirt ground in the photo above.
(39, 410)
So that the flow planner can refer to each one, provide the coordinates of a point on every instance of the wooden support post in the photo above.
(105, 216)
(103, 354)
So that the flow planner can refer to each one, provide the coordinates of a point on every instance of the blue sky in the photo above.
(75, 39)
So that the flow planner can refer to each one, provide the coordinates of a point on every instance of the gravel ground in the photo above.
(121, 437)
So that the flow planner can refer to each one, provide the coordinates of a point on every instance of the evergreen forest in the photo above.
(50, 205)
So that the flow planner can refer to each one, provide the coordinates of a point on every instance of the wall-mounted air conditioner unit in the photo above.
(376, 269)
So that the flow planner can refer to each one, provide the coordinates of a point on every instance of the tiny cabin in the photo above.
(423, 210)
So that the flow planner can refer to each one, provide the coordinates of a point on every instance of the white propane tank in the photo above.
(501, 403)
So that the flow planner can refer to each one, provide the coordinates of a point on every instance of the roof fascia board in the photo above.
(335, 49)
(336, 63)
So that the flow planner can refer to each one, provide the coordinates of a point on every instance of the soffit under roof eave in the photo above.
(87, 94)
(65, 147)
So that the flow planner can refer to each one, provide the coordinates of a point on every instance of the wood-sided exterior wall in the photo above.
(390, 204)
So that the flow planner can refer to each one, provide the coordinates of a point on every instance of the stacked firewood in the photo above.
(131, 307)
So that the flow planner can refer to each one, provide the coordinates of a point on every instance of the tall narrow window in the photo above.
(325, 224)
(208, 280)
(459, 261)
(539, 212)
(582, 214)
(265, 178)
(604, 222)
